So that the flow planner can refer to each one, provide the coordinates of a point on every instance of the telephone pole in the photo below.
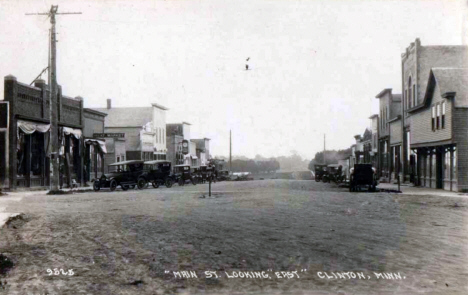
(324, 149)
(230, 152)
(53, 142)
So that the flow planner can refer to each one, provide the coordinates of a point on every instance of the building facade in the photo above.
(417, 62)
(28, 160)
(176, 135)
(202, 148)
(389, 110)
(439, 131)
(142, 128)
(95, 148)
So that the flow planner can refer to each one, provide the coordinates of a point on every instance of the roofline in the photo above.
(428, 93)
(159, 106)
(186, 123)
(93, 111)
(373, 116)
(381, 93)
(394, 119)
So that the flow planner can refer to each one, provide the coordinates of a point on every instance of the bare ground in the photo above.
(131, 242)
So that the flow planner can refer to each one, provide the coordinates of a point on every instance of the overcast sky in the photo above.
(316, 66)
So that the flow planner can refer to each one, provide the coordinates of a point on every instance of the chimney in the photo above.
(109, 101)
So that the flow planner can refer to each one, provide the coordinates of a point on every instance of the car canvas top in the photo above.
(156, 162)
(127, 162)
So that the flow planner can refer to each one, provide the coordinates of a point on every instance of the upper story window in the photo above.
(409, 100)
(433, 118)
(438, 116)
(414, 95)
(443, 115)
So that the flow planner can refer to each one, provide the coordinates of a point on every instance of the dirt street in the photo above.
(140, 242)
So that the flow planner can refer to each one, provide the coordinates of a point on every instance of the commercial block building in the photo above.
(389, 112)
(439, 131)
(143, 128)
(417, 62)
(25, 157)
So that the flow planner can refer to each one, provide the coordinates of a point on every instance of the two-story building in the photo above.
(177, 134)
(143, 129)
(389, 110)
(417, 62)
(26, 157)
(439, 131)
(202, 147)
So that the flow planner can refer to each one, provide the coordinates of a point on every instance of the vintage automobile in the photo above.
(126, 174)
(159, 173)
(320, 170)
(334, 173)
(183, 173)
(241, 176)
(223, 175)
(197, 174)
(362, 175)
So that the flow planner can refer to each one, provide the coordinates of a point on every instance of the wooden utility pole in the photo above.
(53, 142)
(230, 152)
(324, 149)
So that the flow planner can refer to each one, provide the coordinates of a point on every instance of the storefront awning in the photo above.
(101, 143)
(75, 132)
(31, 127)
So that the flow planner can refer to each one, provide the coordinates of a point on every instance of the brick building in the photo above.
(26, 156)
(439, 131)
(417, 62)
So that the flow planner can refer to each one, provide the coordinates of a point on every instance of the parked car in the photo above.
(183, 174)
(240, 176)
(363, 175)
(223, 175)
(197, 174)
(320, 170)
(126, 174)
(334, 173)
(159, 173)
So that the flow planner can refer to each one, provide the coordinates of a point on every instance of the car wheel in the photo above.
(141, 183)
(96, 186)
(113, 185)
(125, 187)
(181, 182)
(155, 184)
(168, 183)
(194, 181)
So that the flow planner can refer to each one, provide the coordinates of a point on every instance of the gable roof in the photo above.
(127, 117)
(452, 82)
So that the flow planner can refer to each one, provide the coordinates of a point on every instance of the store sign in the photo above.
(113, 135)
(185, 147)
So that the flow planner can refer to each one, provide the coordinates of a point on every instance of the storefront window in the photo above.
(21, 154)
(37, 147)
(454, 164)
(447, 164)
(428, 165)
(92, 162)
(433, 164)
